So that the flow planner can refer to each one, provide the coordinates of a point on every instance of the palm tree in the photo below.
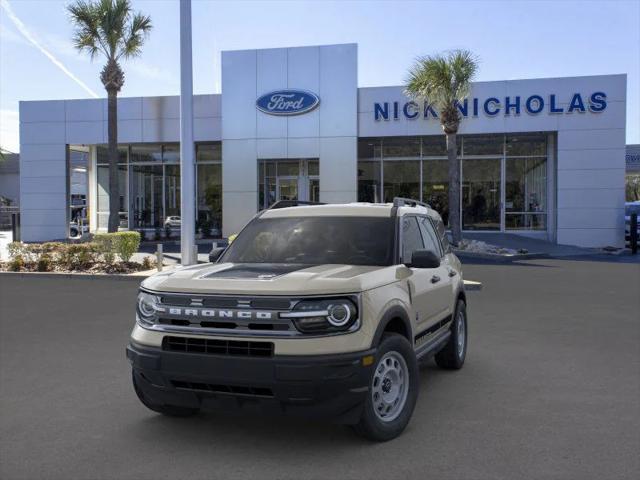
(110, 28)
(444, 81)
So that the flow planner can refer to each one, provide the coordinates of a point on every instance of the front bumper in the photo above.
(320, 386)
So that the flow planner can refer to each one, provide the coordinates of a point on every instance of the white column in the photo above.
(187, 149)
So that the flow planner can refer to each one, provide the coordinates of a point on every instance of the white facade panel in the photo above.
(44, 111)
(304, 74)
(85, 110)
(588, 139)
(239, 166)
(338, 168)
(601, 178)
(207, 106)
(85, 132)
(38, 133)
(207, 129)
(590, 237)
(160, 107)
(161, 130)
(339, 88)
(129, 108)
(271, 74)
(238, 102)
(129, 131)
(303, 147)
(590, 198)
(591, 159)
(271, 148)
(234, 211)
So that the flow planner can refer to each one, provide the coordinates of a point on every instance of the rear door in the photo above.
(440, 296)
(423, 282)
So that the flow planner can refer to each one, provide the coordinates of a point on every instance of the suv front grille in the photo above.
(217, 347)
(229, 389)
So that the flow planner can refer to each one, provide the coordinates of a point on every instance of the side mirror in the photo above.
(215, 253)
(424, 259)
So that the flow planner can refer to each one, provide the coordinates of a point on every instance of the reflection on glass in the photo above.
(209, 152)
(210, 194)
(481, 194)
(526, 144)
(146, 152)
(435, 146)
(435, 186)
(483, 144)
(102, 154)
(287, 188)
(171, 153)
(172, 190)
(146, 193)
(401, 147)
(369, 182)
(401, 179)
(103, 195)
(369, 148)
(525, 193)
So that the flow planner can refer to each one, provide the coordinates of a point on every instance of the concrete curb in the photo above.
(78, 276)
(498, 258)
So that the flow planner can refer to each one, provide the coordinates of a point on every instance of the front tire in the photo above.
(453, 354)
(168, 410)
(393, 390)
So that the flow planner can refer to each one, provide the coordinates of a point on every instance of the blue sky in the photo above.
(513, 40)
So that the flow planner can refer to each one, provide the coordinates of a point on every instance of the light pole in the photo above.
(189, 253)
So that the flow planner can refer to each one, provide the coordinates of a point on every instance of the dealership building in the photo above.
(540, 157)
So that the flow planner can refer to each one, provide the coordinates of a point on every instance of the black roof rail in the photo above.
(408, 202)
(293, 203)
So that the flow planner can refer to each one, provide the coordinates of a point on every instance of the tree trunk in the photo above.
(114, 186)
(454, 188)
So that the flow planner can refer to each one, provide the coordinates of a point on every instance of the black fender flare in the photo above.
(396, 311)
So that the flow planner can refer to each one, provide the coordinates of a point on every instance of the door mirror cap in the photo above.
(424, 259)
(215, 253)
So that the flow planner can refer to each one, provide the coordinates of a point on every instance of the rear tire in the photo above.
(453, 354)
(393, 390)
(168, 410)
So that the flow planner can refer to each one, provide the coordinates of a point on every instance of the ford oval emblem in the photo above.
(287, 102)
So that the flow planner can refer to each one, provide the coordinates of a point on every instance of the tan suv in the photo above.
(315, 310)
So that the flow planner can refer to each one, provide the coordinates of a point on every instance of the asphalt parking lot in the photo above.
(551, 389)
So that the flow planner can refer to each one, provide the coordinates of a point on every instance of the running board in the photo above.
(432, 345)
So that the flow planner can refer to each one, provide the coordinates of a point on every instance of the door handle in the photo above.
(452, 273)
(435, 279)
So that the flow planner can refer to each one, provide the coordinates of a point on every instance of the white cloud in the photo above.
(26, 33)
(9, 130)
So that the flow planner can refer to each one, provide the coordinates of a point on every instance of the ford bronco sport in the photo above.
(320, 310)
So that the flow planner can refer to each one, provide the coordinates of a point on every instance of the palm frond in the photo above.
(139, 29)
(442, 80)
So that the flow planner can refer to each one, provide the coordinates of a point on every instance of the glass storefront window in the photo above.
(369, 182)
(171, 153)
(526, 144)
(210, 195)
(146, 196)
(483, 145)
(401, 179)
(146, 152)
(209, 152)
(102, 203)
(433, 146)
(435, 186)
(369, 148)
(172, 190)
(102, 154)
(401, 147)
(481, 194)
(525, 193)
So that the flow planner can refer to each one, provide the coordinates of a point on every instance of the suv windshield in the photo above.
(314, 240)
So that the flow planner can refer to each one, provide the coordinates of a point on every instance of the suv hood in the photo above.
(271, 279)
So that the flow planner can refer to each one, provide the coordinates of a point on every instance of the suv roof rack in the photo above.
(408, 202)
(293, 203)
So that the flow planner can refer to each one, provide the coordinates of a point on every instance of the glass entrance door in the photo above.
(288, 180)
(481, 194)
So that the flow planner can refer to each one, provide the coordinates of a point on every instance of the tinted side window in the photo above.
(429, 236)
(442, 233)
(411, 238)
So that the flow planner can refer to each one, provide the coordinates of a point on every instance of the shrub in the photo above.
(16, 263)
(106, 246)
(79, 255)
(126, 244)
(16, 249)
(44, 263)
(148, 263)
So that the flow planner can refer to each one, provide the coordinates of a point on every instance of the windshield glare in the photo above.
(314, 241)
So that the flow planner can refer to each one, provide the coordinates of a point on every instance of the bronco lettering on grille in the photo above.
(212, 313)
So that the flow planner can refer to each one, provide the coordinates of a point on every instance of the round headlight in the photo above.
(146, 305)
(339, 314)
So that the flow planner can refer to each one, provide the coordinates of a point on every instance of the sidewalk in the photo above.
(532, 245)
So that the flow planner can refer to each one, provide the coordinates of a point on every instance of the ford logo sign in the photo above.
(287, 102)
